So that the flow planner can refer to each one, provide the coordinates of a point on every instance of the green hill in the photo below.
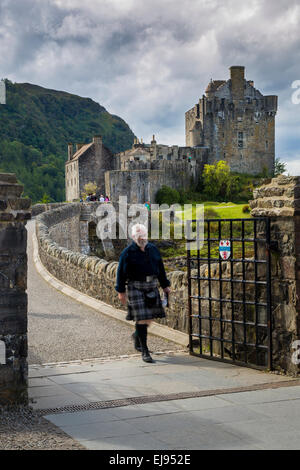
(36, 125)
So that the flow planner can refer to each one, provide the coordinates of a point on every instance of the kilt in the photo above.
(137, 308)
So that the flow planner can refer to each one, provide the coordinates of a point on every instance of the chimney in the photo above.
(97, 139)
(78, 147)
(153, 141)
(70, 151)
(237, 77)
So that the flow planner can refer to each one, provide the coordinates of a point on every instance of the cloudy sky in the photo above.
(149, 61)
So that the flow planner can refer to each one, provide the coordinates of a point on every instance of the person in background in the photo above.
(106, 199)
(141, 268)
(101, 198)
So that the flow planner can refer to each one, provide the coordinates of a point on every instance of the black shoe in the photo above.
(146, 356)
(136, 342)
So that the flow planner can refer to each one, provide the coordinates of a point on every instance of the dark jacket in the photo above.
(135, 265)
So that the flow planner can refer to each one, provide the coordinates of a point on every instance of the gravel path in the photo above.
(23, 429)
(61, 329)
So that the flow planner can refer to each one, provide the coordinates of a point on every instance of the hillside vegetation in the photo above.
(36, 125)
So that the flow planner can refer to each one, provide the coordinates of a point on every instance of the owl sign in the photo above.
(225, 249)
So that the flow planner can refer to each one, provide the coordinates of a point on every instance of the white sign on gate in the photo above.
(225, 249)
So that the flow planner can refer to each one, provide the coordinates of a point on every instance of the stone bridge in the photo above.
(67, 230)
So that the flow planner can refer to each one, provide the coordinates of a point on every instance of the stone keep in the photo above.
(236, 122)
(14, 212)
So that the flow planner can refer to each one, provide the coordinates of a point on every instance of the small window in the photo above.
(267, 144)
(240, 139)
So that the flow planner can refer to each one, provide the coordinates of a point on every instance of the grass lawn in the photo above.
(228, 210)
(223, 211)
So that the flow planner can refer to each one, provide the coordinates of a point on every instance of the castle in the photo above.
(233, 121)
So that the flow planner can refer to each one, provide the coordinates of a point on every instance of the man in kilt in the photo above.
(141, 268)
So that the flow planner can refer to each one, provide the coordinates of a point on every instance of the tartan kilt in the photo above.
(137, 309)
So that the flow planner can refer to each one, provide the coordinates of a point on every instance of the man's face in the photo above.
(142, 241)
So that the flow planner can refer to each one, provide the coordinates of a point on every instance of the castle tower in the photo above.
(236, 123)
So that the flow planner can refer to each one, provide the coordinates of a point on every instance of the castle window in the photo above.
(240, 139)
(267, 144)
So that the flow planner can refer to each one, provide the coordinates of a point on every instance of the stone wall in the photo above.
(280, 201)
(141, 181)
(14, 212)
(39, 208)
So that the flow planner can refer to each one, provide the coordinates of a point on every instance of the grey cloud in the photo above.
(150, 61)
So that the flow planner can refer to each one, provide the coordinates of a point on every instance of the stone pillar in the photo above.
(14, 212)
(280, 201)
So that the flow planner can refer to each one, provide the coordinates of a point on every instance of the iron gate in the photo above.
(229, 296)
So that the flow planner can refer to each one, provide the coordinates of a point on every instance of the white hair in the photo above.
(139, 230)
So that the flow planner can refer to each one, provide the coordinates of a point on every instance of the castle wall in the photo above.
(141, 181)
(72, 180)
(93, 165)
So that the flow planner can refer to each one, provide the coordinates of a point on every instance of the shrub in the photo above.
(167, 195)
(246, 209)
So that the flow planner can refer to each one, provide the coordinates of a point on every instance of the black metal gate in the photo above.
(229, 294)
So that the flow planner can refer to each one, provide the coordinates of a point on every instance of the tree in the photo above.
(89, 188)
(45, 199)
(219, 183)
(280, 167)
(167, 195)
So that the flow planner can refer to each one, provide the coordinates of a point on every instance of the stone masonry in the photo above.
(14, 212)
(236, 123)
(280, 201)
(88, 164)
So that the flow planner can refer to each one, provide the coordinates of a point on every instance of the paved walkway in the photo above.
(179, 402)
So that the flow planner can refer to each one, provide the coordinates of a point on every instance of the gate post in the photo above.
(280, 201)
(14, 212)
